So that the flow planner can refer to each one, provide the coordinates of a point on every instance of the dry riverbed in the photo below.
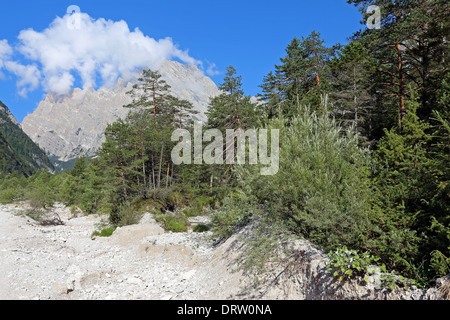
(143, 262)
(136, 262)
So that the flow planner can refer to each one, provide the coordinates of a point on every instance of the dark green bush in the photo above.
(200, 228)
(125, 214)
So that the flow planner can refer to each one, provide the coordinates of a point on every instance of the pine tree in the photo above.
(350, 82)
(414, 183)
(271, 95)
(182, 112)
(410, 48)
(151, 92)
(230, 110)
(119, 156)
(155, 113)
(300, 78)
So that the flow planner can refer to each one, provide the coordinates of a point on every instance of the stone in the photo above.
(134, 280)
(188, 275)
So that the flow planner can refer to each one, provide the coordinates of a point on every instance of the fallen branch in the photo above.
(55, 221)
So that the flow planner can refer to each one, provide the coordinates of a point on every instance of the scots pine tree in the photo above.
(410, 48)
(231, 110)
(350, 83)
(151, 92)
(300, 78)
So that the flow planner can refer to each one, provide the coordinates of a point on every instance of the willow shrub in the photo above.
(322, 190)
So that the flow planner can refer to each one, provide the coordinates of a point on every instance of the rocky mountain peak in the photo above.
(67, 127)
(5, 109)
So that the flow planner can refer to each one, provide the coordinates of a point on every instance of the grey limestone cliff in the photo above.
(74, 125)
(5, 110)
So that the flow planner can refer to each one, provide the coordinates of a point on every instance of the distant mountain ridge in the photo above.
(75, 125)
(17, 151)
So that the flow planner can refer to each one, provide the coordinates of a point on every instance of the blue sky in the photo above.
(250, 35)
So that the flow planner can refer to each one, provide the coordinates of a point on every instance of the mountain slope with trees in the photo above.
(19, 152)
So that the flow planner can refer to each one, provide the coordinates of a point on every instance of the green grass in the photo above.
(106, 232)
(177, 223)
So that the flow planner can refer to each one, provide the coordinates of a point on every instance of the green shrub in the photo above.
(174, 223)
(7, 195)
(322, 190)
(392, 280)
(125, 214)
(345, 263)
(37, 214)
(106, 232)
(440, 264)
(40, 198)
(233, 214)
(200, 228)
(198, 205)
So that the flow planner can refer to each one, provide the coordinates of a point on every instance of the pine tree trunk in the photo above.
(401, 81)
(316, 65)
(167, 175)
(171, 175)
(124, 184)
(154, 102)
(160, 166)
(143, 161)
(355, 99)
(153, 171)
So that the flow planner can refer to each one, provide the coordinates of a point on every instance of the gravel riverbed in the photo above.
(137, 262)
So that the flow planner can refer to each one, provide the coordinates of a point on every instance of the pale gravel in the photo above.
(143, 262)
(137, 262)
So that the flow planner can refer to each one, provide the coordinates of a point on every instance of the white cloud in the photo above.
(211, 70)
(5, 54)
(87, 48)
(29, 76)
(5, 49)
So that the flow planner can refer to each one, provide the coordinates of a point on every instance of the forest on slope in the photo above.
(364, 144)
(19, 153)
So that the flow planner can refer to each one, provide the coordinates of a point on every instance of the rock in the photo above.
(132, 234)
(73, 269)
(147, 218)
(134, 280)
(188, 275)
(70, 286)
